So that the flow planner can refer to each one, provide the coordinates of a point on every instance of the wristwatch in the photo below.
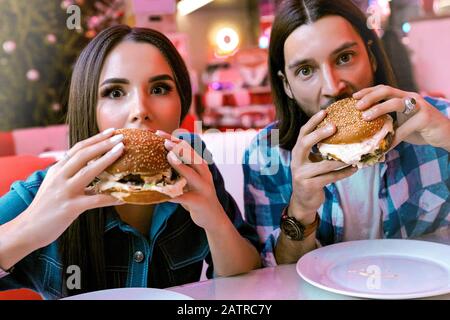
(294, 230)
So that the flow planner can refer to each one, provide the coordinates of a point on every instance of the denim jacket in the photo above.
(172, 253)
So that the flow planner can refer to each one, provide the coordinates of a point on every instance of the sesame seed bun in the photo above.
(350, 126)
(142, 174)
(144, 153)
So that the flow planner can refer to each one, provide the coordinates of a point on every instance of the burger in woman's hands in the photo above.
(142, 174)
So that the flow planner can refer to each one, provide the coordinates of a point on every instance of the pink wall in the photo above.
(154, 7)
(430, 42)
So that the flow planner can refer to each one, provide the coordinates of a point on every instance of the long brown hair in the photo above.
(82, 243)
(292, 14)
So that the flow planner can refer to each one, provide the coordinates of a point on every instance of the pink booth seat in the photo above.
(37, 140)
(13, 168)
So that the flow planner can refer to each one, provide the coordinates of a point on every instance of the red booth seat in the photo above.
(20, 294)
(13, 168)
(7, 144)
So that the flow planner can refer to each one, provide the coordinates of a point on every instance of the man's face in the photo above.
(325, 61)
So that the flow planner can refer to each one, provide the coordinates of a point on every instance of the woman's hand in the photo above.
(309, 176)
(231, 253)
(426, 125)
(62, 196)
(200, 199)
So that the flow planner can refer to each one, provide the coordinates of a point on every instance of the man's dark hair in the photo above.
(292, 14)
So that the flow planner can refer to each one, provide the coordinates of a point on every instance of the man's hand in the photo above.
(426, 125)
(310, 177)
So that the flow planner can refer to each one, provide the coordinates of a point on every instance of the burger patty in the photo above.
(133, 179)
(384, 146)
(137, 180)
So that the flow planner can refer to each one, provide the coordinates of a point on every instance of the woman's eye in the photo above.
(161, 90)
(115, 94)
(112, 93)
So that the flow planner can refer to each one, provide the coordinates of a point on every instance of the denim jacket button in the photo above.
(138, 256)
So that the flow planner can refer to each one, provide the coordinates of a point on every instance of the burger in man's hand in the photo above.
(356, 142)
(142, 174)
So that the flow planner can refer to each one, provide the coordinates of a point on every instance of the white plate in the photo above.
(379, 269)
(130, 294)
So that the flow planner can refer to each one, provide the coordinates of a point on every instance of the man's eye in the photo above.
(345, 58)
(305, 71)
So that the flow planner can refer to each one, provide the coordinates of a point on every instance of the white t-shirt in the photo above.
(358, 194)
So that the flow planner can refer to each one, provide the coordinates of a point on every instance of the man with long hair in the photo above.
(320, 52)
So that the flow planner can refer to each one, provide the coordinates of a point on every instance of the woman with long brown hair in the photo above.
(50, 227)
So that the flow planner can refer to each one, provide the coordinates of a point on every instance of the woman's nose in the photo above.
(140, 110)
(141, 117)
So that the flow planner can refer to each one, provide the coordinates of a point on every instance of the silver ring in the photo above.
(410, 105)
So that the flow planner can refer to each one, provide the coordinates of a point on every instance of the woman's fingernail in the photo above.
(117, 148)
(367, 115)
(108, 131)
(160, 133)
(116, 138)
(329, 127)
(169, 144)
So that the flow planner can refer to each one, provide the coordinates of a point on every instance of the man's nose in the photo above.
(332, 85)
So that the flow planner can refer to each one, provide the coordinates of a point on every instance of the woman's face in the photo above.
(137, 90)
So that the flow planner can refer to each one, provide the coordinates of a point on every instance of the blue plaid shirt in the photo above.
(414, 192)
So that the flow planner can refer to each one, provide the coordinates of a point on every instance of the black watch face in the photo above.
(292, 230)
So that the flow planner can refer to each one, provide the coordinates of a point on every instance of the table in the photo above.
(275, 283)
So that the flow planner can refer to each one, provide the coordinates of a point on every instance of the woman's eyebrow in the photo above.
(161, 77)
(126, 81)
(115, 80)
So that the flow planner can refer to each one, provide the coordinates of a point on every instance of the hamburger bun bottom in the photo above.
(139, 197)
